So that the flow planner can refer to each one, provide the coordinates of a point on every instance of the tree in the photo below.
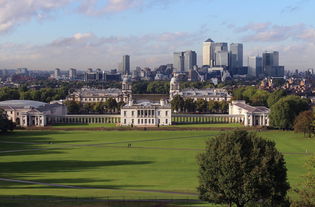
(283, 113)
(201, 105)
(111, 104)
(177, 103)
(306, 194)
(241, 168)
(73, 107)
(304, 123)
(189, 105)
(259, 98)
(275, 96)
(5, 123)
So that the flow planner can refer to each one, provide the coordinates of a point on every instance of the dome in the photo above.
(22, 103)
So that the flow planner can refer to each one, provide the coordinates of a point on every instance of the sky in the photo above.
(48, 34)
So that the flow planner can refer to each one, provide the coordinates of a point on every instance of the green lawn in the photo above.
(83, 125)
(100, 160)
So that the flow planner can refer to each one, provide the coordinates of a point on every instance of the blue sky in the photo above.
(45, 34)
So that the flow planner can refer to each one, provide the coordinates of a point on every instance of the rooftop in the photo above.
(22, 104)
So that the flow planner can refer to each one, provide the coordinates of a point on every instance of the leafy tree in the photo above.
(224, 107)
(99, 107)
(5, 123)
(238, 93)
(275, 96)
(249, 92)
(304, 123)
(213, 106)
(243, 169)
(177, 103)
(111, 104)
(201, 105)
(189, 105)
(73, 107)
(283, 112)
(259, 98)
(306, 194)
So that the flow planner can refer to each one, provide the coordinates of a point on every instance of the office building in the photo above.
(179, 62)
(221, 59)
(72, 74)
(126, 65)
(190, 60)
(236, 55)
(255, 66)
(57, 74)
(208, 52)
(271, 65)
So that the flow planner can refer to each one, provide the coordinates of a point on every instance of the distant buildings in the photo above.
(72, 74)
(126, 65)
(236, 55)
(271, 65)
(255, 66)
(184, 61)
(57, 74)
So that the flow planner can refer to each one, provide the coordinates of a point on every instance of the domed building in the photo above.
(215, 94)
(27, 113)
(93, 95)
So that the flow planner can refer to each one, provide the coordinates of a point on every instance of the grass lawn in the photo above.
(158, 165)
(83, 125)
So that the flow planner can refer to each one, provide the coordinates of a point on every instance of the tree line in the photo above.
(109, 106)
(181, 105)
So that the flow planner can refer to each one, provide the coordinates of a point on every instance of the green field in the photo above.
(158, 165)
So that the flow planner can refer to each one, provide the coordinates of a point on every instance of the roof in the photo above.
(209, 40)
(251, 109)
(22, 104)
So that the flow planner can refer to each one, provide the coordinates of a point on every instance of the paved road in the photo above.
(82, 187)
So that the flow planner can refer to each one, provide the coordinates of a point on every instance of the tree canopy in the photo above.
(241, 168)
(5, 123)
(304, 123)
(284, 112)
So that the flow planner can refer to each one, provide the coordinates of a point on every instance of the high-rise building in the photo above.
(208, 52)
(271, 64)
(126, 65)
(221, 54)
(178, 62)
(236, 55)
(190, 60)
(57, 74)
(255, 66)
(72, 74)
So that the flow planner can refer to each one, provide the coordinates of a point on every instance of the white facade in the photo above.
(253, 115)
(214, 94)
(93, 95)
(146, 114)
(31, 113)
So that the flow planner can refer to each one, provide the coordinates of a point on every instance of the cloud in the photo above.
(15, 12)
(84, 50)
(267, 32)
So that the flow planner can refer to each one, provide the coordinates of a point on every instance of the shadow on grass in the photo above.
(60, 165)
(30, 143)
(53, 201)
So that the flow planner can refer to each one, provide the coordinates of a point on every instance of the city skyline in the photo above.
(81, 34)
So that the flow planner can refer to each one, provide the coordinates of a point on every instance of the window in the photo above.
(152, 112)
(166, 121)
(141, 121)
(132, 113)
(158, 113)
(138, 121)
(149, 121)
(132, 121)
(125, 113)
(145, 121)
(152, 121)
(166, 113)
(125, 121)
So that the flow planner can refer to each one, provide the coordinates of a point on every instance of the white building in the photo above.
(214, 94)
(253, 115)
(93, 95)
(31, 113)
(146, 114)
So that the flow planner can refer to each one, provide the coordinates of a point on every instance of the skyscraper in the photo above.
(208, 52)
(126, 65)
(57, 74)
(178, 62)
(270, 63)
(255, 66)
(190, 60)
(236, 55)
(72, 74)
(221, 54)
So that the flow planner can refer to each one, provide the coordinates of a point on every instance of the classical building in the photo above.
(253, 115)
(215, 94)
(92, 95)
(27, 113)
(146, 114)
